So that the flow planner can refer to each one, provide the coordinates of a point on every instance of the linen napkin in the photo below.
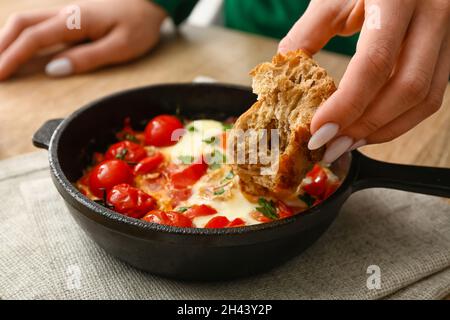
(384, 244)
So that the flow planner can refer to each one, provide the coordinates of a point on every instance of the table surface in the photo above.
(31, 98)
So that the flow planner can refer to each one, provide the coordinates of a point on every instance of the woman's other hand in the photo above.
(118, 31)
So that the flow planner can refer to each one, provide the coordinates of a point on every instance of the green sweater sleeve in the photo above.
(177, 9)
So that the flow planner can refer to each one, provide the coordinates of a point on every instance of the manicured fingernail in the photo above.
(358, 144)
(337, 148)
(59, 68)
(323, 135)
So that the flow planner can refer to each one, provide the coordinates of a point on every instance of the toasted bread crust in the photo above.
(289, 89)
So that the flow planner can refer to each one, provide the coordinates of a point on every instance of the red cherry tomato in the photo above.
(258, 216)
(170, 218)
(159, 130)
(189, 175)
(238, 222)
(149, 164)
(130, 201)
(199, 211)
(107, 174)
(220, 222)
(179, 195)
(217, 222)
(127, 151)
(331, 188)
(317, 184)
(284, 210)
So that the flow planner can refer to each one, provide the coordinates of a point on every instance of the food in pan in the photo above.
(188, 173)
(188, 183)
(289, 89)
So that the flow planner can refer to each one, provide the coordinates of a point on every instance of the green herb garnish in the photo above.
(186, 159)
(230, 175)
(218, 158)
(211, 140)
(308, 199)
(183, 209)
(219, 192)
(121, 154)
(227, 126)
(267, 208)
(192, 129)
(214, 166)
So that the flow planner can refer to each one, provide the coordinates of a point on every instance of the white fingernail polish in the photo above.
(59, 68)
(337, 148)
(358, 144)
(323, 135)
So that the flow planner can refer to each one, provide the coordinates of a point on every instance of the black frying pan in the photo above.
(201, 254)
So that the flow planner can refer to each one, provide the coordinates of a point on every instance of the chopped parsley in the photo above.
(308, 199)
(230, 175)
(211, 140)
(267, 208)
(217, 158)
(186, 159)
(191, 128)
(219, 192)
(183, 209)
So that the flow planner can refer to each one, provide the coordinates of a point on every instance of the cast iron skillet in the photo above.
(201, 254)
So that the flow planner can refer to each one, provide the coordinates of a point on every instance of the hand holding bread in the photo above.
(396, 79)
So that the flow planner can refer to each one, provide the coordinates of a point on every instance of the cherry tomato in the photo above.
(130, 201)
(331, 188)
(317, 184)
(223, 222)
(179, 195)
(189, 175)
(149, 164)
(199, 211)
(159, 130)
(217, 222)
(127, 151)
(284, 210)
(238, 222)
(258, 216)
(170, 218)
(84, 180)
(107, 174)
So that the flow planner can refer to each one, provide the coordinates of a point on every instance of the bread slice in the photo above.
(289, 89)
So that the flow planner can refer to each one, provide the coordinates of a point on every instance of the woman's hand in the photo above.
(119, 31)
(397, 77)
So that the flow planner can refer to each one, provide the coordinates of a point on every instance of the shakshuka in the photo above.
(147, 175)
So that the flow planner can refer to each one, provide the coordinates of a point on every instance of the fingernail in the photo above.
(358, 144)
(323, 135)
(59, 67)
(337, 148)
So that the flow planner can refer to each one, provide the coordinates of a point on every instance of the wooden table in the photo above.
(31, 98)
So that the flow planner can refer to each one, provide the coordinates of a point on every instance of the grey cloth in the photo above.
(45, 255)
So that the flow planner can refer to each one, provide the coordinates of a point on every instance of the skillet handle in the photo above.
(43, 135)
(376, 174)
